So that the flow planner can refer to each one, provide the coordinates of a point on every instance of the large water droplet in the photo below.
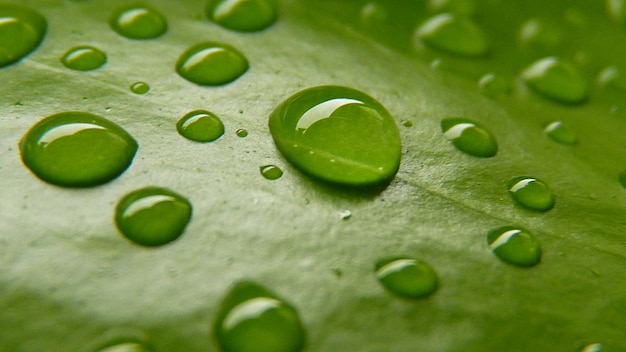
(126, 347)
(211, 64)
(22, 29)
(531, 193)
(515, 246)
(561, 133)
(455, 35)
(253, 319)
(271, 172)
(242, 15)
(407, 277)
(200, 126)
(493, 85)
(140, 88)
(84, 58)
(77, 149)
(557, 80)
(337, 134)
(152, 216)
(138, 22)
(470, 137)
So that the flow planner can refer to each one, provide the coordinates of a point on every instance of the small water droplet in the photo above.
(613, 77)
(493, 85)
(200, 126)
(22, 29)
(138, 22)
(470, 137)
(345, 214)
(460, 7)
(152, 216)
(531, 193)
(407, 277)
(594, 347)
(253, 319)
(84, 58)
(77, 149)
(211, 64)
(454, 35)
(337, 134)
(373, 14)
(126, 347)
(616, 10)
(242, 133)
(557, 80)
(140, 88)
(515, 246)
(271, 172)
(407, 123)
(540, 33)
(242, 15)
(561, 133)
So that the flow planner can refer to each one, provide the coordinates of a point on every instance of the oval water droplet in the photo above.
(531, 193)
(540, 33)
(561, 133)
(211, 64)
(515, 246)
(407, 277)
(493, 85)
(127, 347)
(84, 58)
(242, 15)
(22, 29)
(470, 137)
(454, 35)
(140, 88)
(77, 149)
(594, 347)
(241, 133)
(337, 134)
(152, 216)
(253, 319)
(200, 126)
(612, 77)
(138, 22)
(557, 80)
(407, 123)
(345, 214)
(271, 172)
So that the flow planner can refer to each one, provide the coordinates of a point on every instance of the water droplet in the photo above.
(271, 172)
(540, 33)
(594, 347)
(84, 58)
(493, 85)
(459, 7)
(531, 193)
(515, 246)
(470, 137)
(561, 133)
(454, 35)
(152, 216)
(373, 14)
(22, 29)
(616, 9)
(242, 133)
(126, 347)
(407, 277)
(557, 80)
(211, 64)
(337, 134)
(200, 126)
(407, 123)
(253, 319)
(345, 214)
(77, 149)
(242, 15)
(138, 22)
(613, 77)
(140, 88)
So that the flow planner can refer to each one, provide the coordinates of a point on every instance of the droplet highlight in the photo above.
(561, 133)
(492, 85)
(469, 137)
(211, 64)
(138, 22)
(531, 193)
(454, 35)
(407, 277)
(22, 29)
(242, 15)
(140, 88)
(515, 246)
(271, 172)
(84, 58)
(557, 80)
(200, 126)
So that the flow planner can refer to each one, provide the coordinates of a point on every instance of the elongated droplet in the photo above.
(139, 88)
(557, 80)
(22, 29)
(470, 137)
(253, 319)
(594, 347)
(211, 64)
(493, 85)
(561, 133)
(77, 149)
(531, 193)
(271, 172)
(84, 58)
(126, 347)
(337, 134)
(138, 22)
(515, 246)
(454, 35)
(242, 15)
(152, 216)
(200, 126)
(407, 277)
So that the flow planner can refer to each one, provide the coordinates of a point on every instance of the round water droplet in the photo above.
(493, 85)
(470, 137)
(271, 172)
(454, 35)
(152, 216)
(211, 64)
(200, 126)
(345, 214)
(613, 77)
(253, 319)
(22, 29)
(126, 347)
(531, 193)
(139, 88)
(557, 80)
(84, 58)
(242, 15)
(407, 123)
(561, 133)
(407, 277)
(242, 133)
(337, 134)
(594, 347)
(515, 246)
(540, 33)
(77, 149)
(138, 22)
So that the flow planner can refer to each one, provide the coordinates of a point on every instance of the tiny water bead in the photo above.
(77, 149)
(407, 277)
(271, 172)
(407, 123)
(454, 35)
(138, 22)
(493, 85)
(469, 137)
(556, 79)
(127, 347)
(22, 29)
(253, 319)
(337, 134)
(531, 193)
(140, 88)
(200, 126)
(515, 246)
(211, 64)
(561, 133)
(241, 133)
(242, 15)
(84, 58)
(152, 216)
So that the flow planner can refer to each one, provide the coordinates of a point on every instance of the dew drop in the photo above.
(200, 126)
(613, 77)
(241, 133)
(541, 34)
(407, 123)
(211, 64)
(616, 9)
(470, 137)
(561, 133)
(459, 7)
(242, 15)
(271, 172)
(77, 149)
(594, 347)
(531, 193)
(345, 214)
(253, 319)
(493, 85)
(126, 347)
(454, 35)
(152, 216)
(84, 58)
(138, 22)
(557, 80)
(515, 246)
(22, 29)
(337, 134)
(140, 88)
(407, 277)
